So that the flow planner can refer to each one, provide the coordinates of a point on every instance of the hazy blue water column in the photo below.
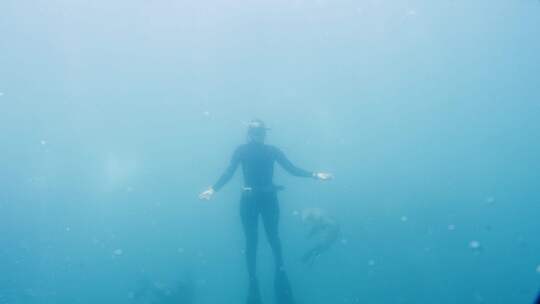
(114, 115)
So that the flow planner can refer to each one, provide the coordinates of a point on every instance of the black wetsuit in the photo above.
(259, 196)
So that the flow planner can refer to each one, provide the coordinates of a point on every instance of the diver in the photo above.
(259, 198)
(537, 299)
(323, 228)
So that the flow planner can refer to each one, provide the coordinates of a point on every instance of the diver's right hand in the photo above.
(207, 194)
(323, 176)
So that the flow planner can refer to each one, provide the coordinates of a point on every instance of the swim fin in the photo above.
(254, 294)
(282, 288)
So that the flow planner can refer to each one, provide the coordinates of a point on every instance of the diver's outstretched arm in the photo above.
(224, 179)
(286, 164)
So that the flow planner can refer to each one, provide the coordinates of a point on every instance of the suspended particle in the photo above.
(538, 269)
(451, 227)
(404, 218)
(371, 263)
(475, 245)
(490, 200)
(411, 12)
(43, 142)
(479, 298)
(118, 252)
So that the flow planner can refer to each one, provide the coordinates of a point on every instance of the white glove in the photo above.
(207, 194)
(323, 176)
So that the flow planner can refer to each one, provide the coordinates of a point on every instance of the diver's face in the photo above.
(257, 135)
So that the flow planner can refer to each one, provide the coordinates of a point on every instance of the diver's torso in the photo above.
(258, 165)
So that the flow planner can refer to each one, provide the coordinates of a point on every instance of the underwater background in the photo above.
(114, 115)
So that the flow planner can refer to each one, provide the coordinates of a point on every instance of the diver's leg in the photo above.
(270, 216)
(249, 214)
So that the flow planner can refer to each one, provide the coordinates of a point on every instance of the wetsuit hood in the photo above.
(256, 131)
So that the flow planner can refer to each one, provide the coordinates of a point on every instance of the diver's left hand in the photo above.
(207, 194)
(323, 176)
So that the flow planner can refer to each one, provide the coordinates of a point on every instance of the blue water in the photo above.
(114, 115)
